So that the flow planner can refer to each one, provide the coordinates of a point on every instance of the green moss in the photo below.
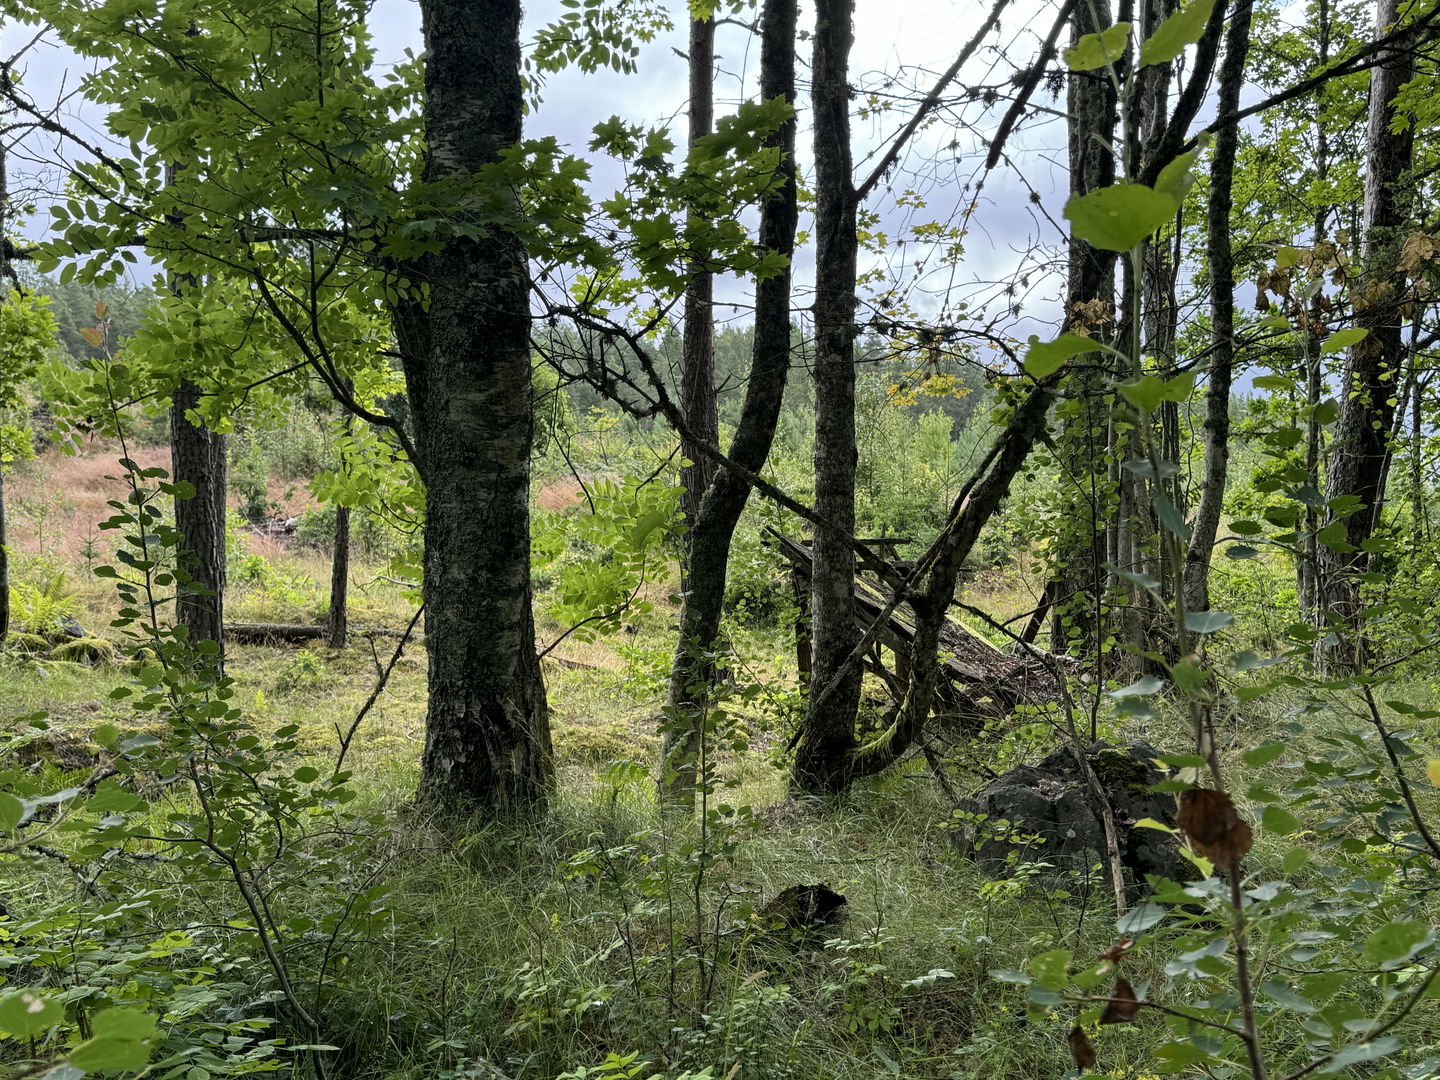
(596, 743)
(1117, 769)
(85, 650)
(26, 644)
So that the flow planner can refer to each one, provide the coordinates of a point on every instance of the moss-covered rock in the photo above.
(26, 645)
(85, 650)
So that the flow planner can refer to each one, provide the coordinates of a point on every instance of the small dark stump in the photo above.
(1052, 800)
(804, 911)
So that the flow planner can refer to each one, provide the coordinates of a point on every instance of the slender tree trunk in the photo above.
(487, 738)
(691, 673)
(1222, 319)
(697, 363)
(4, 564)
(197, 457)
(1360, 450)
(337, 630)
(6, 274)
(830, 728)
(1089, 309)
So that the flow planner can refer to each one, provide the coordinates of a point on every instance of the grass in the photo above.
(611, 928)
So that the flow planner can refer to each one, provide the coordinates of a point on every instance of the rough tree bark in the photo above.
(1090, 310)
(1360, 451)
(724, 498)
(467, 369)
(829, 723)
(197, 457)
(1222, 319)
(697, 361)
(337, 628)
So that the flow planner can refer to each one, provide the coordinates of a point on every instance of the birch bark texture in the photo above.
(467, 366)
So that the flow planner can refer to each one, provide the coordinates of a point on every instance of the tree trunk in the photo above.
(697, 362)
(197, 457)
(337, 626)
(1222, 319)
(830, 728)
(4, 565)
(487, 738)
(691, 673)
(1360, 451)
(1089, 309)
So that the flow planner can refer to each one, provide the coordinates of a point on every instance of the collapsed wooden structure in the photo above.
(981, 684)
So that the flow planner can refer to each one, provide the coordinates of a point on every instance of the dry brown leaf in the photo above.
(1117, 950)
(1209, 821)
(1081, 1049)
(1122, 1006)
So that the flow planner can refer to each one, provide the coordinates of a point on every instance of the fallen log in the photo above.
(269, 633)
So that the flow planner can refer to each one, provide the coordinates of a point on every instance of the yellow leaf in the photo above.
(100, 309)
(93, 336)
(1432, 771)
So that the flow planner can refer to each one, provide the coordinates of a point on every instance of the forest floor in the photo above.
(611, 929)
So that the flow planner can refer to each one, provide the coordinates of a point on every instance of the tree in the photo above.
(830, 718)
(708, 543)
(1360, 452)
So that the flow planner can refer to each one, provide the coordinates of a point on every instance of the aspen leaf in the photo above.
(92, 336)
(1044, 358)
(1343, 339)
(1432, 771)
(100, 310)
(1182, 28)
(1098, 50)
(25, 1014)
(1118, 217)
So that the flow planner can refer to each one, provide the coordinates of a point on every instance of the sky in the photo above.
(899, 44)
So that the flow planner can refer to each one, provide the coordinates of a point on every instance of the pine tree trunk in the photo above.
(1360, 451)
(336, 625)
(691, 673)
(197, 457)
(829, 736)
(487, 739)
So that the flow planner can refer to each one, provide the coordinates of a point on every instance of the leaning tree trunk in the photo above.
(1222, 319)
(691, 673)
(1360, 451)
(197, 457)
(697, 361)
(829, 726)
(487, 737)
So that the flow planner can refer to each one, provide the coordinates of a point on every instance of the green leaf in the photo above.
(1140, 918)
(1098, 50)
(1263, 755)
(1278, 820)
(1146, 684)
(1145, 393)
(1335, 536)
(1343, 339)
(110, 798)
(1277, 991)
(11, 811)
(1208, 622)
(1357, 1053)
(307, 774)
(110, 1054)
(1117, 218)
(1051, 969)
(1177, 178)
(1182, 28)
(1171, 518)
(1398, 941)
(1046, 358)
(25, 1014)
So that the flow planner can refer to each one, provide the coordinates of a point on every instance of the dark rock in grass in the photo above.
(806, 911)
(1048, 813)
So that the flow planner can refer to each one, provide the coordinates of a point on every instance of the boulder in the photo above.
(1048, 813)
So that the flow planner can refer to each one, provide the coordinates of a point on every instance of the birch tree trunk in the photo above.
(467, 359)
